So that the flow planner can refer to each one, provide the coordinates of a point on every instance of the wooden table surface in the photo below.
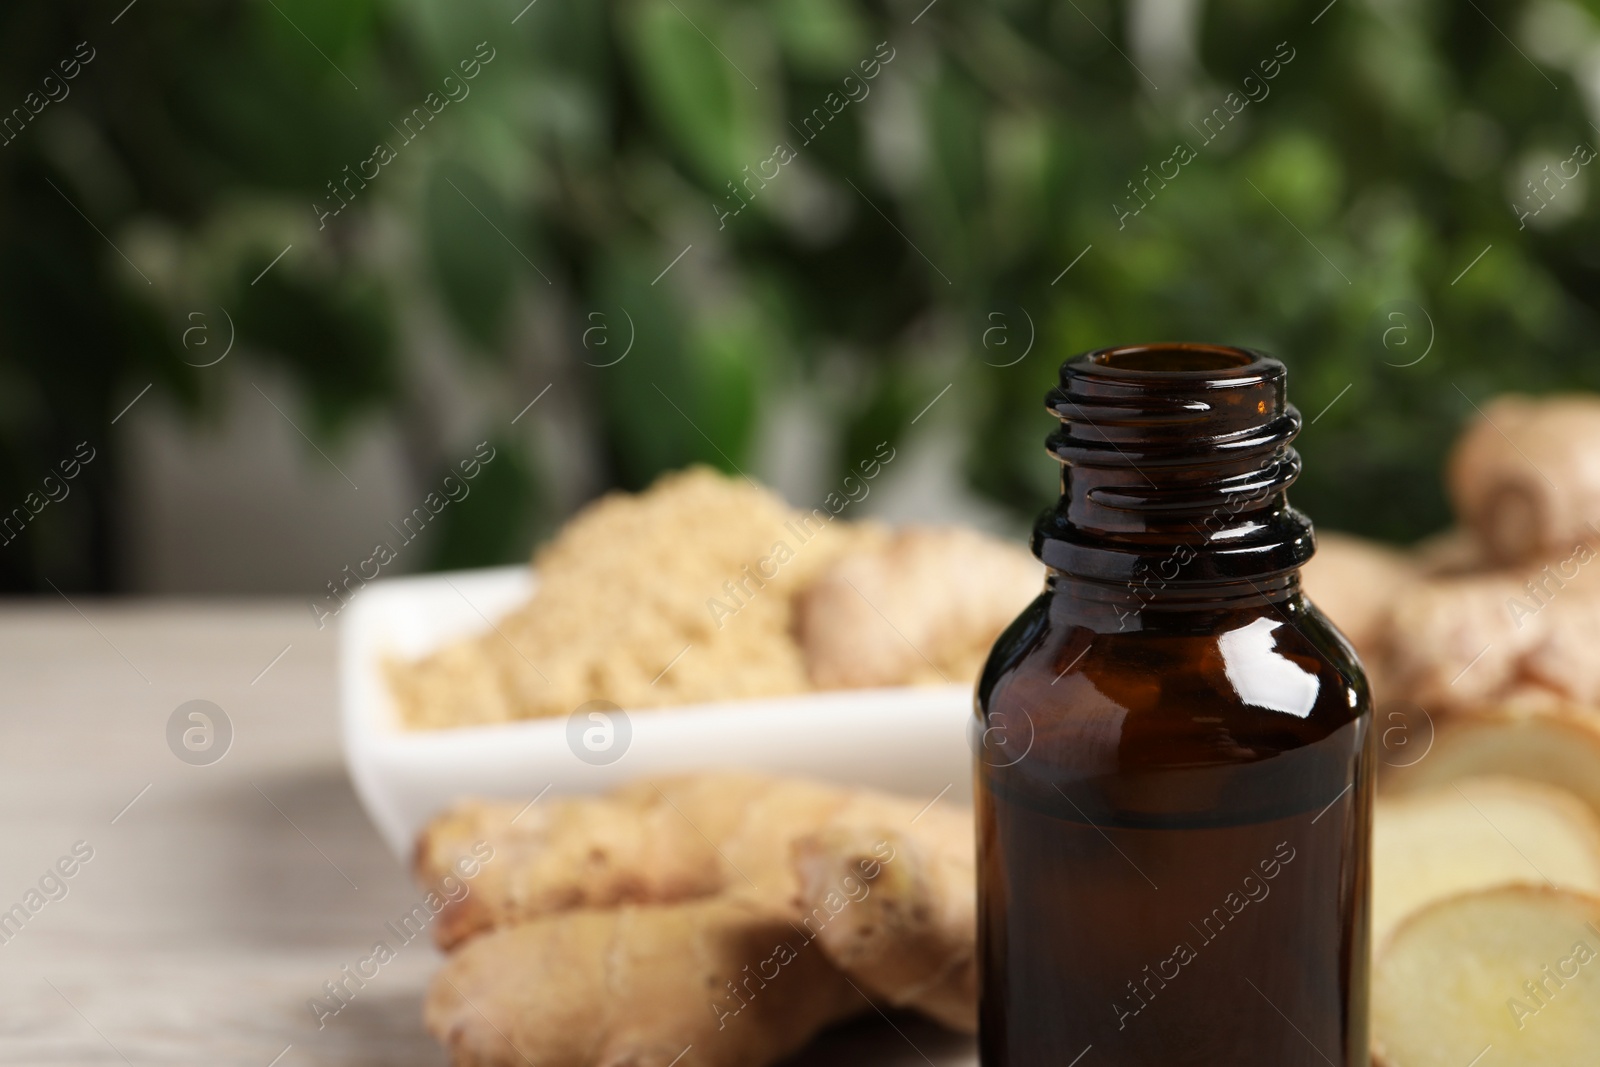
(218, 898)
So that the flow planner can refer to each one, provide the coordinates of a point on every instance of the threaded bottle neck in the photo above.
(1175, 462)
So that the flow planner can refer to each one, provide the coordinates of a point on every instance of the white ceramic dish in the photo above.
(909, 740)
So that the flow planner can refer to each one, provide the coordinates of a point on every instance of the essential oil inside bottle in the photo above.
(1174, 772)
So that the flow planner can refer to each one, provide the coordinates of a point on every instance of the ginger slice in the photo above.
(1513, 970)
(1555, 744)
(1474, 834)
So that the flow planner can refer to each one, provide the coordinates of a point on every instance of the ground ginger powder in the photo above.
(679, 595)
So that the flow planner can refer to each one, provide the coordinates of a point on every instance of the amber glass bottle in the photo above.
(1173, 746)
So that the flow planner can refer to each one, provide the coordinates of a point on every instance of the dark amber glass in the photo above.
(1174, 748)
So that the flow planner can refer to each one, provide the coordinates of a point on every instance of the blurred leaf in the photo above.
(888, 406)
(469, 245)
(686, 392)
(823, 38)
(1298, 176)
(334, 335)
(704, 100)
(502, 513)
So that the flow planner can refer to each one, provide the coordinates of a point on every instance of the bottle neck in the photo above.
(1176, 460)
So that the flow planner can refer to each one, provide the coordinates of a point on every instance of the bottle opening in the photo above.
(1198, 359)
(1175, 462)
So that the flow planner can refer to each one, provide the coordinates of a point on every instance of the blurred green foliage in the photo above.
(918, 240)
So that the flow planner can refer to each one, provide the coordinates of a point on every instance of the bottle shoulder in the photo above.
(1233, 686)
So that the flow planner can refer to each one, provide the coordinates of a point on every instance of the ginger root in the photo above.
(1462, 641)
(1526, 476)
(1507, 607)
(604, 934)
(632, 846)
(1357, 583)
(904, 929)
(719, 982)
(925, 607)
